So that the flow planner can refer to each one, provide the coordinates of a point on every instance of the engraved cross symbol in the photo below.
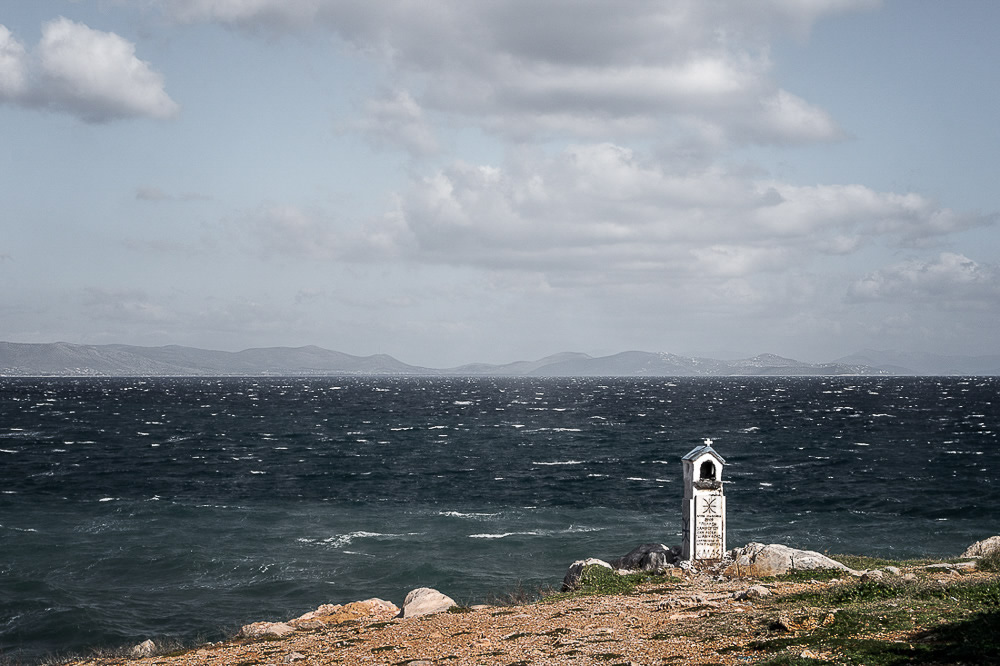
(709, 507)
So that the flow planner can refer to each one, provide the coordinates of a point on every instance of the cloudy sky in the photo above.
(450, 181)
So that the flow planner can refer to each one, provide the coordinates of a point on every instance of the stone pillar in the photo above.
(704, 506)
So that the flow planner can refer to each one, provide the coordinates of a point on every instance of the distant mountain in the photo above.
(638, 363)
(65, 359)
(915, 363)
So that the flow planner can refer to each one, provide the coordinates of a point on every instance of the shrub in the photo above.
(990, 561)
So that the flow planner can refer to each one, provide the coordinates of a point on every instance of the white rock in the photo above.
(144, 649)
(758, 559)
(980, 548)
(261, 629)
(572, 578)
(893, 570)
(425, 601)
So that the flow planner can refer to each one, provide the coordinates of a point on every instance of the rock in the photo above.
(572, 578)
(758, 559)
(756, 592)
(144, 649)
(953, 567)
(648, 557)
(893, 570)
(874, 574)
(980, 548)
(329, 614)
(262, 629)
(425, 601)
(294, 656)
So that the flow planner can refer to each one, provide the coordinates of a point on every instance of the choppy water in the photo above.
(183, 508)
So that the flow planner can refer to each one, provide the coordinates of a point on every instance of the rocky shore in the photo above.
(731, 612)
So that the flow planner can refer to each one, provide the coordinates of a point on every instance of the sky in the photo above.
(450, 182)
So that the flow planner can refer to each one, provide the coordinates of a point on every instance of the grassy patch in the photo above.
(806, 575)
(861, 562)
(990, 561)
(519, 595)
(598, 580)
(888, 623)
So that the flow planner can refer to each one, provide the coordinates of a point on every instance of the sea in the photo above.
(179, 509)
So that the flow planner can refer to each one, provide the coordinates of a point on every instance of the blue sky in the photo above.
(452, 182)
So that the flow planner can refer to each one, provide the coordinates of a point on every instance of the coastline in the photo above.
(699, 617)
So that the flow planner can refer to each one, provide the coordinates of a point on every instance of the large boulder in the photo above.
(980, 548)
(572, 578)
(425, 601)
(265, 629)
(648, 557)
(758, 559)
(330, 614)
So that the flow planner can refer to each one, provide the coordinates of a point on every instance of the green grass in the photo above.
(598, 580)
(940, 623)
(990, 561)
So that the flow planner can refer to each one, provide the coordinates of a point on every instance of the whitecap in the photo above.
(8, 451)
(460, 514)
(502, 536)
(559, 462)
(342, 540)
(107, 499)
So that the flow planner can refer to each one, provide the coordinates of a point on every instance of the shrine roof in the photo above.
(698, 451)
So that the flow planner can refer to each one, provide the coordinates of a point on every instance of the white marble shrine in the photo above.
(704, 516)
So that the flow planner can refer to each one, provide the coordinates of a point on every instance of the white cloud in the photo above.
(87, 73)
(950, 279)
(396, 120)
(581, 69)
(13, 66)
(611, 221)
(603, 204)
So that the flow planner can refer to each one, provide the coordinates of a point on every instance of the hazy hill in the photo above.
(65, 359)
(914, 363)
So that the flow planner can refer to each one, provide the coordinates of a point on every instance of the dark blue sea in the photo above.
(183, 508)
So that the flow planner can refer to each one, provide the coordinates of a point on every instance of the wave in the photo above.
(341, 540)
(460, 514)
(572, 529)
